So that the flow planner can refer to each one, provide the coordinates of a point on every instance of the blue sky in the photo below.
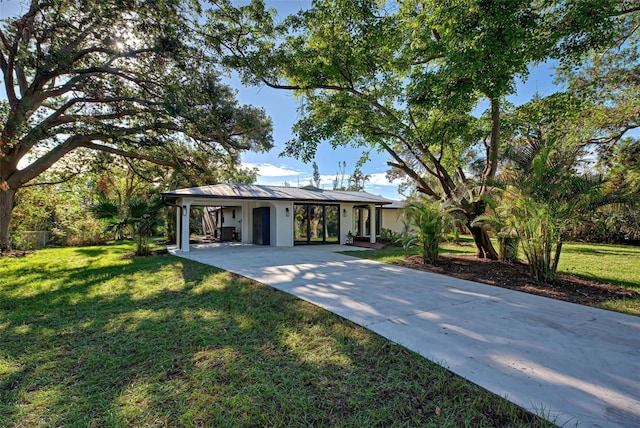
(282, 108)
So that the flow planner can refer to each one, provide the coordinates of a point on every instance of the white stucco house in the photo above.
(282, 216)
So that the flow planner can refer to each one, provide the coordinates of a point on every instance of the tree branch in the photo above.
(44, 162)
(629, 10)
(422, 187)
(7, 68)
(48, 183)
(113, 150)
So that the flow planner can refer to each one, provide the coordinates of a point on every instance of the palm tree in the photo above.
(138, 217)
(545, 192)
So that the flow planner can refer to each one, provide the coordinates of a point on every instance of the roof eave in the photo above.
(174, 196)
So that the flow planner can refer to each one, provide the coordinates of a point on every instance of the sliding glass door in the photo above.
(332, 224)
(316, 224)
(300, 223)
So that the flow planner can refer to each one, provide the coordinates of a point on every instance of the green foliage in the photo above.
(60, 211)
(34, 209)
(349, 238)
(611, 224)
(405, 77)
(428, 218)
(621, 164)
(87, 76)
(580, 27)
(146, 217)
(402, 79)
(112, 215)
(391, 237)
(77, 227)
(539, 231)
(138, 216)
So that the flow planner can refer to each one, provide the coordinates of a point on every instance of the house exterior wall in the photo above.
(347, 222)
(281, 224)
(229, 221)
(392, 219)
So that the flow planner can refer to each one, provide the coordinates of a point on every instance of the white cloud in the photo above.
(270, 170)
(380, 179)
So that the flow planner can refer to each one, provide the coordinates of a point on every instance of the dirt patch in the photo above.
(14, 253)
(374, 245)
(161, 252)
(515, 276)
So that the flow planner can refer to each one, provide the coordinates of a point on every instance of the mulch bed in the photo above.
(515, 276)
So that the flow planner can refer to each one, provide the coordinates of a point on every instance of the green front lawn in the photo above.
(393, 254)
(88, 339)
(612, 264)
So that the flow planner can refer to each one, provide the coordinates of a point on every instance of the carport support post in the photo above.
(184, 229)
(372, 223)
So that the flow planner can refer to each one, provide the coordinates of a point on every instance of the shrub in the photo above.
(388, 236)
(428, 219)
(55, 214)
(540, 232)
(78, 228)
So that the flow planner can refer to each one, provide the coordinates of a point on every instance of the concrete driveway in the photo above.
(573, 364)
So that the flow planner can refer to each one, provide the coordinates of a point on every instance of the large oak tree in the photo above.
(126, 77)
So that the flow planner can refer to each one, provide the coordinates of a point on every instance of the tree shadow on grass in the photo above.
(94, 251)
(199, 346)
(602, 249)
(624, 255)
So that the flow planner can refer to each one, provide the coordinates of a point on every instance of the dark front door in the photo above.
(261, 226)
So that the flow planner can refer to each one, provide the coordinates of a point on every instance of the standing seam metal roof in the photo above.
(259, 192)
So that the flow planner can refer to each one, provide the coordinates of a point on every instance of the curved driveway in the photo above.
(573, 364)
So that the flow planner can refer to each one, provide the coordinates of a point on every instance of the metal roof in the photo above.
(396, 205)
(258, 192)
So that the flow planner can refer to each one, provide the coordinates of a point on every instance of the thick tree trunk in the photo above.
(480, 235)
(483, 243)
(6, 206)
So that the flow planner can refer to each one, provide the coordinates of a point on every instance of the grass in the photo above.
(612, 264)
(88, 339)
(396, 254)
